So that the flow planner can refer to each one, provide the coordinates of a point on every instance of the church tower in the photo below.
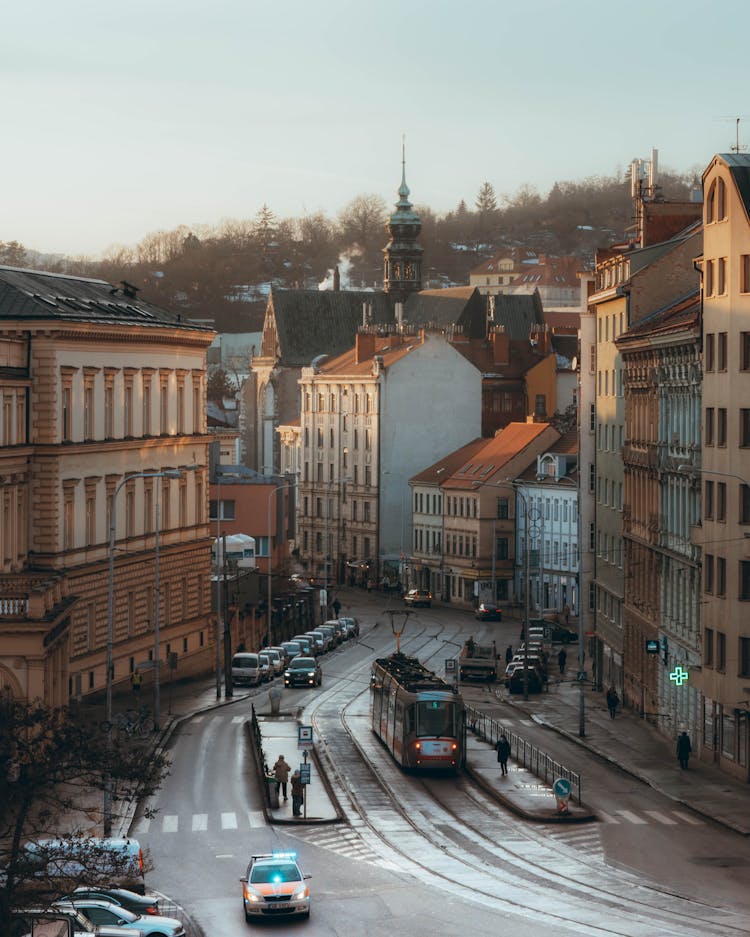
(402, 267)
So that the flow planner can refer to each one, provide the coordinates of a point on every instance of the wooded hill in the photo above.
(222, 273)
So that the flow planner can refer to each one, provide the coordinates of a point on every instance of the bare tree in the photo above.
(53, 766)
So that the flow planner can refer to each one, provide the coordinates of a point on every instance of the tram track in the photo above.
(454, 836)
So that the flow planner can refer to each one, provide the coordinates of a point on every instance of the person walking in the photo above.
(562, 659)
(683, 750)
(136, 679)
(509, 654)
(281, 772)
(336, 606)
(298, 794)
(503, 752)
(613, 701)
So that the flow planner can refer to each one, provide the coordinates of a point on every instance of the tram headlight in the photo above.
(418, 746)
(454, 746)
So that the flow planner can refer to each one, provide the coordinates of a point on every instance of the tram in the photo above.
(417, 715)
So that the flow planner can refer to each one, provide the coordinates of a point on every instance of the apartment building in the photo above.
(104, 437)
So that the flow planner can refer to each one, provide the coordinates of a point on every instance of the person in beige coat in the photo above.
(281, 772)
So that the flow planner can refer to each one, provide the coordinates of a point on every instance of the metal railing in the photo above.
(525, 753)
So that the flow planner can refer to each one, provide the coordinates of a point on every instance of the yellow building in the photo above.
(102, 417)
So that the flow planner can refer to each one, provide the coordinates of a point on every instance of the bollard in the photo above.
(274, 696)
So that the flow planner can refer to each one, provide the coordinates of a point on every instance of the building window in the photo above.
(721, 426)
(708, 574)
(109, 412)
(721, 576)
(745, 273)
(503, 506)
(744, 504)
(592, 477)
(501, 548)
(88, 413)
(721, 651)
(163, 410)
(721, 279)
(744, 581)
(721, 502)
(744, 657)
(744, 427)
(708, 647)
(708, 501)
(127, 412)
(721, 200)
(708, 286)
(721, 341)
(146, 407)
(180, 409)
(709, 427)
(708, 353)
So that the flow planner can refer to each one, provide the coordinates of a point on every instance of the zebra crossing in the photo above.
(229, 820)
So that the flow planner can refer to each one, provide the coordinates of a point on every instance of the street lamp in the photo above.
(167, 473)
(223, 627)
(271, 493)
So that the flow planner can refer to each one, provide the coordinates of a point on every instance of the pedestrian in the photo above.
(470, 645)
(613, 701)
(566, 614)
(370, 584)
(281, 772)
(136, 679)
(298, 794)
(336, 607)
(509, 654)
(683, 749)
(503, 751)
(562, 659)
(523, 633)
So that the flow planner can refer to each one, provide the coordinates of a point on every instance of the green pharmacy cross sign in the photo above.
(679, 676)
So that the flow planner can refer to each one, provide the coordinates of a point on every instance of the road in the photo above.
(424, 856)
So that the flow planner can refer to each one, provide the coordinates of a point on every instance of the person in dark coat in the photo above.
(613, 701)
(281, 772)
(503, 752)
(509, 654)
(683, 749)
(336, 607)
(562, 658)
(298, 794)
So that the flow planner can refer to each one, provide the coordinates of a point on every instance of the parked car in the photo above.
(515, 682)
(307, 645)
(338, 629)
(415, 597)
(246, 668)
(277, 664)
(113, 915)
(319, 639)
(118, 861)
(266, 667)
(275, 886)
(351, 625)
(488, 611)
(303, 671)
(132, 901)
(292, 649)
(330, 634)
(281, 651)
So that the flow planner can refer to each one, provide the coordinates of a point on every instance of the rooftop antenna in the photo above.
(736, 147)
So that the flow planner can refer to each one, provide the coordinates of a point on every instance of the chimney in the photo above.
(336, 279)
(500, 346)
(365, 346)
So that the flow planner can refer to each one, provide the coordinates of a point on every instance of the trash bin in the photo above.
(274, 695)
(272, 785)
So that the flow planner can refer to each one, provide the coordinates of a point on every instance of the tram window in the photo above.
(436, 717)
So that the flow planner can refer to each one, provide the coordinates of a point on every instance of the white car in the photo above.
(112, 915)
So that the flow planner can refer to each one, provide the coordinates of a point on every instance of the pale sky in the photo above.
(120, 119)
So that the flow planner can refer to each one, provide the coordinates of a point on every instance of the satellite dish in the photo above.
(574, 363)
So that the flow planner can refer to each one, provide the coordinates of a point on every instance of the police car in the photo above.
(275, 886)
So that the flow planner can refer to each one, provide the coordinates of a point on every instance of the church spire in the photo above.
(402, 268)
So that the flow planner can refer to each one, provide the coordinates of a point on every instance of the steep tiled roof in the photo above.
(41, 296)
(682, 313)
(495, 453)
(316, 322)
(518, 313)
(446, 466)
(461, 305)
(739, 167)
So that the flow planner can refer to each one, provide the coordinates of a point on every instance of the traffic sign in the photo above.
(304, 773)
(562, 788)
(304, 737)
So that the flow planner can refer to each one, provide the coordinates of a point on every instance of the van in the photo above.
(112, 861)
(246, 668)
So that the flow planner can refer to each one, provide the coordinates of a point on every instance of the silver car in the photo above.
(112, 915)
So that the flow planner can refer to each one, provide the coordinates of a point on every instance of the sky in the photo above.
(122, 119)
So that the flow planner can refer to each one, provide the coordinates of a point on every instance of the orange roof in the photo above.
(443, 469)
(495, 453)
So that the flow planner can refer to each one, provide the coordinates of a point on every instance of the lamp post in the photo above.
(271, 493)
(223, 626)
(167, 473)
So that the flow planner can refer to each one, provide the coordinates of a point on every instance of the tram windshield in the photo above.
(436, 717)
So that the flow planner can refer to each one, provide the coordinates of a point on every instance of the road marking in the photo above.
(236, 720)
(631, 817)
(197, 719)
(668, 821)
(170, 823)
(688, 818)
(229, 821)
(200, 822)
(608, 818)
(256, 818)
